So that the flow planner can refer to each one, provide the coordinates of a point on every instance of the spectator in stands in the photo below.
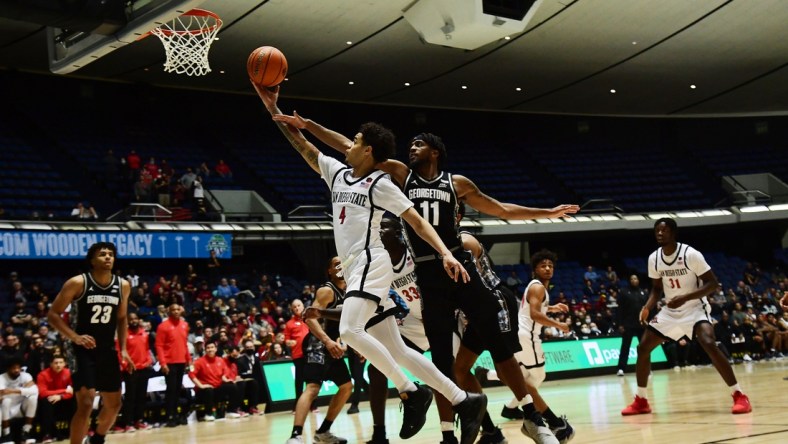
(89, 213)
(134, 400)
(277, 352)
(162, 186)
(134, 164)
(21, 319)
(210, 376)
(223, 290)
(198, 349)
(630, 301)
(223, 170)
(133, 278)
(55, 397)
(188, 178)
(173, 355)
(78, 212)
(203, 170)
(152, 168)
(38, 358)
(754, 340)
(166, 168)
(591, 275)
(248, 387)
(751, 276)
(223, 344)
(142, 191)
(35, 294)
(514, 282)
(203, 293)
(589, 293)
(743, 292)
(18, 292)
(612, 276)
(111, 165)
(20, 397)
(214, 267)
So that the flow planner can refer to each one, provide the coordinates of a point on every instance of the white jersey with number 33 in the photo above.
(680, 274)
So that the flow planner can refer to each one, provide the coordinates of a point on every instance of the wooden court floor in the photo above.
(689, 407)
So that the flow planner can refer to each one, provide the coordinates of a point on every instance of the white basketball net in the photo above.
(187, 40)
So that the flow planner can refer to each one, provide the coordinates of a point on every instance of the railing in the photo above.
(141, 211)
(300, 212)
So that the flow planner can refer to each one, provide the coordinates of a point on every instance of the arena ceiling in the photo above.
(662, 57)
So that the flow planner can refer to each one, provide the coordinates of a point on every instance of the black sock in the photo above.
(487, 424)
(378, 432)
(297, 431)
(448, 437)
(325, 426)
(552, 420)
(97, 439)
(529, 409)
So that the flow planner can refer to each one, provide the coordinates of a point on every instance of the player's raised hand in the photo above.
(455, 269)
(296, 121)
(269, 96)
(565, 210)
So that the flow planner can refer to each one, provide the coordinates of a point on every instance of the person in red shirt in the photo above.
(55, 396)
(247, 387)
(213, 382)
(223, 170)
(138, 345)
(295, 332)
(173, 355)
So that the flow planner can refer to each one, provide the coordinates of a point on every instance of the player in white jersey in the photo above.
(20, 395)
(360, 195)
(681, 272)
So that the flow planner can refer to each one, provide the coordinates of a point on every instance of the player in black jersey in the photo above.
(324, 361)
(98, 301)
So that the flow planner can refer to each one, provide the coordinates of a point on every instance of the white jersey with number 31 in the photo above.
(680, 273)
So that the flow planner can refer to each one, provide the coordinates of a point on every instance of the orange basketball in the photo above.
(267, 66)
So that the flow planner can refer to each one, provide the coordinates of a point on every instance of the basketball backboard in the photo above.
(70, 50)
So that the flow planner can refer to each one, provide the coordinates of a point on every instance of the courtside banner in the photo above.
(559, 356)
(130, 244)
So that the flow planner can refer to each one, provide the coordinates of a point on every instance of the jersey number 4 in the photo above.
(101, 314)
(425, 212)
(342, 216)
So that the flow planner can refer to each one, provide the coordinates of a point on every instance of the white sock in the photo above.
(528, 399)
(27, 427)
(513, 403)
(735, 388)
(6, 431)
(492, 375)
(642, 392)
(447, 426)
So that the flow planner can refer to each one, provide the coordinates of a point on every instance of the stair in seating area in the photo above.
(178, 213)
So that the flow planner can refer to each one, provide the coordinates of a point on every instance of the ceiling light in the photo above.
(349, 42)
(518, 89)
(634, 43)
(215, 39)
(351, 83)
(464, 87)
(407, 83)
(612, 91)
(507, 38)
(221, 72)
(286, 79)
(693, 86)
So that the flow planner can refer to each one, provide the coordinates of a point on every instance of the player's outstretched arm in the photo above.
(329, 137)
(428, 233)
(473, 196)
(307, 150)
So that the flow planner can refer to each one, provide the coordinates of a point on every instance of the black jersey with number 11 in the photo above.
(95, 312)
(436, 201)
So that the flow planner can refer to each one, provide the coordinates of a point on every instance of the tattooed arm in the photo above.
(307, 150)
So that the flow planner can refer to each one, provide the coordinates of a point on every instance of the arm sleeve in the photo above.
(328, 168)
(386, 195)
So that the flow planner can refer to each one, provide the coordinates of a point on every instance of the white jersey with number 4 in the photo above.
(680, 274)
(358, 204)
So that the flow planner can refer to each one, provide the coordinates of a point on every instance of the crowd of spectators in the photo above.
(243, 320)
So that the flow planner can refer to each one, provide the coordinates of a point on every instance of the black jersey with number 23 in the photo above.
(95, 312)
(436, 201)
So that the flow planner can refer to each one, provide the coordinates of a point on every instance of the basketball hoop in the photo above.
(187, 40)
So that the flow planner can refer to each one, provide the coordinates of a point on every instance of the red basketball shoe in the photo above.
(741, 403)
(638, 407)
